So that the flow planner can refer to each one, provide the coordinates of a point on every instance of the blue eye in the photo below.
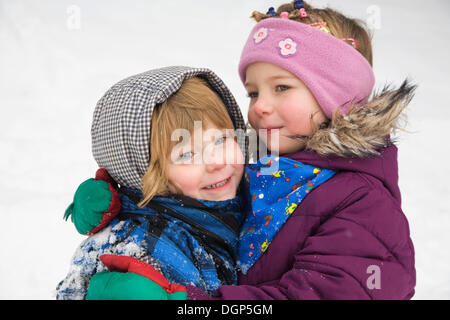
(252, 95)
(186, 155)
(220, 140)
(282, 88)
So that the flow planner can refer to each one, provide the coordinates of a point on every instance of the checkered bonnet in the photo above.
(121, 125)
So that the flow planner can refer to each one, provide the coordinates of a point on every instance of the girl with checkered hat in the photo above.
(164, 210)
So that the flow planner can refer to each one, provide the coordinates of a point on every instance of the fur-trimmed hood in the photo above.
(364, 131)
(360, 141)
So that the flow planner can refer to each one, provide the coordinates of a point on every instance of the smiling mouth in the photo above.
(218, 185)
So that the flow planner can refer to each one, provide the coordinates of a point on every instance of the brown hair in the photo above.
(194, 101)
(339, 25)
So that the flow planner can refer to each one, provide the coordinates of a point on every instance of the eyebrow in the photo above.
(272, 78)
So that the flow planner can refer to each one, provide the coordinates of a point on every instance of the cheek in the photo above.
(238, 155)
(239, 172)
(187, 178)
(296, 115)
(251, 117)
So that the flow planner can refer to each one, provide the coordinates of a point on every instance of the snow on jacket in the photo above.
(188, 240)
(349, 238)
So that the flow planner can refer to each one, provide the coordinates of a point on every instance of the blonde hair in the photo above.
(339, 25)
(194, 101)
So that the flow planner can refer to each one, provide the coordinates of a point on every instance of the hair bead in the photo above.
(271, 11)
(300, 6)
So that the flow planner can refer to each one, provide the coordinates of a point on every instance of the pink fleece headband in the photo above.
(335, 72)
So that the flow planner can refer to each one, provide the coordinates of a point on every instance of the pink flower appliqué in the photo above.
(288, 47)
(260, 35)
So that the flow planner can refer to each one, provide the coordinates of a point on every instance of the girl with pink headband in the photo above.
(325, 219)
(340, 231)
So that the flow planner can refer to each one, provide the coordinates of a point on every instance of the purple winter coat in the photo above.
(348, 239)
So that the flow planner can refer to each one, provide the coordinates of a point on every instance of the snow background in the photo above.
(57, 58)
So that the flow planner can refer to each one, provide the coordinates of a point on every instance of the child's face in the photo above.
(210, 169)
(280, 100)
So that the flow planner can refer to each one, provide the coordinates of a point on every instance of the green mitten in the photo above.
(132, 279)
(95, 204)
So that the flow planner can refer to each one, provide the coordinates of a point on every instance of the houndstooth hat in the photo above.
(121, 125)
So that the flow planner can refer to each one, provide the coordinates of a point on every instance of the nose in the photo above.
(215, 166)
(262, 107)
(215, 160)
(210, 168)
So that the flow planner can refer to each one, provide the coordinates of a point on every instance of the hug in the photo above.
(318, 217)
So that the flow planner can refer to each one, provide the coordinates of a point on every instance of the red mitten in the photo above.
(131, 279)
(95, 204)
(129, 264)
(114, 206)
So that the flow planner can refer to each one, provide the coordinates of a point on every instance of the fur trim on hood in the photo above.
(365, 130)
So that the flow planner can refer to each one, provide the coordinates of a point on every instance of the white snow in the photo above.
(54, 67)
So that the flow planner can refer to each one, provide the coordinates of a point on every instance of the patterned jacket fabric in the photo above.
(189, 241)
